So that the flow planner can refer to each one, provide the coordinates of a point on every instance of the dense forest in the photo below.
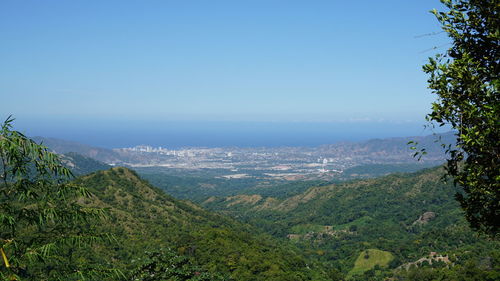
(401, 217)
(402, 226)
(143, 219)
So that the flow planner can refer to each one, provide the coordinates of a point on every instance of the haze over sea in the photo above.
(177, 134)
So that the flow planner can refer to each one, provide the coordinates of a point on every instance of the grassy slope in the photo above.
(369, 258)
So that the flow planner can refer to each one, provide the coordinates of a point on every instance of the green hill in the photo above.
(144, 218)
(406, 215)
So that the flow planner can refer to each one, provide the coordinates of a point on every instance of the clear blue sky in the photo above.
(255, 60)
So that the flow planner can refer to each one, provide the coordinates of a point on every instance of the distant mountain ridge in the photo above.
(60, 146)
(395, 149)
(82, 165)
(379, 151)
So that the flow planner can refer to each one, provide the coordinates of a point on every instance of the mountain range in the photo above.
(401, 218)
(381, 151)
(404, 226)
(370, 229)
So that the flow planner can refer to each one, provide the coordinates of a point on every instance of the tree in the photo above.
(466, 81)
(45, 232)
(165, 264)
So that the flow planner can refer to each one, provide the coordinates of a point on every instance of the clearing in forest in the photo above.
(368, 259)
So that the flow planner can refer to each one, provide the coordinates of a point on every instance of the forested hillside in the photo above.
(401, 226)
(143, 218)
(387, 222)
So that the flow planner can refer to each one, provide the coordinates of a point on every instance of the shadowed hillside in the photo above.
(64, 146)
(82, 165)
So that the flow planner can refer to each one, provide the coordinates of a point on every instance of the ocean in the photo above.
(178, 134)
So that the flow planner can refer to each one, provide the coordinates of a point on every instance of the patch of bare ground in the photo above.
(209, 200)
(425, 218)
(433, 257)
(293, 202)
(243, 199)
(269, 203)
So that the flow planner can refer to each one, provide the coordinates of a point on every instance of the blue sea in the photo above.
(177, 134)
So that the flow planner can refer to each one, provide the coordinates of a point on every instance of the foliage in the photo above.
(336, 223)
(371, 214)
(465, 80)
(201, 184)
(45, 233)
(143, 217)
(165, 265)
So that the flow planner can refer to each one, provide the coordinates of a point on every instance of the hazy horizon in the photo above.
(177, 134)
(224, 61)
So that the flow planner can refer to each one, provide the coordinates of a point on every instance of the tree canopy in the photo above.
(45, 232)
(466, 80)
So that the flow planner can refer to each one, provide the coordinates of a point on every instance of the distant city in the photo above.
(289, 163)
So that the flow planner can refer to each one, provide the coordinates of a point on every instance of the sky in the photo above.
(69, 66)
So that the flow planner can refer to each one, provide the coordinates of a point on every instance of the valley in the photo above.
(250, 140)
(381, 216)
(344, 160)
(367, 229)
(288, 163)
